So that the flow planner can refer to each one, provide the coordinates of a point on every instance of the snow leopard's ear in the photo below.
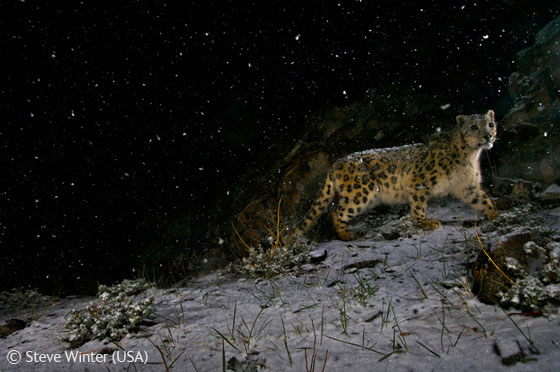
(490, 115)
(462, 120)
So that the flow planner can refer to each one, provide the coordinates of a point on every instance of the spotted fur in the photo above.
(411, 174)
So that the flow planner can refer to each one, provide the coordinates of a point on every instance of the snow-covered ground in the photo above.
(371, 304)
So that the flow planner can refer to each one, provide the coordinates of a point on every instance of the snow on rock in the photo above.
(552, 192)
(509, 350)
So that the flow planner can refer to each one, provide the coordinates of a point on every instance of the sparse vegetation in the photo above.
(115, 314)
(22, 303)
(535, 290)
(260, 262)
(521, 216)
(273, 256)
(310, 367)
(402, 299)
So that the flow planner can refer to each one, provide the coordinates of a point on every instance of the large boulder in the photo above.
(531, 129)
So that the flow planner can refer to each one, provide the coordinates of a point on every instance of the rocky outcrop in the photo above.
(531, 129)
(523, 272)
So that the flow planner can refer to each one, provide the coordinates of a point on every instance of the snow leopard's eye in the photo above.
(474, 127)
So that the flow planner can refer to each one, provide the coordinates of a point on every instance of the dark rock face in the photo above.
(531, 129)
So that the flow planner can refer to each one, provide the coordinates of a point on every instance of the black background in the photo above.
(117, 119)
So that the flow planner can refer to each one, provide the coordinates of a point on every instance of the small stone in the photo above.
(552, 192)
(373, 317)
(363, 264)
(251, 363)
(11, 326)
(317, 255)
(393, 235)
(307, 268)
(509, 350)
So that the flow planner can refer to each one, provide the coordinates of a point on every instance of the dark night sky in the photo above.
(116, 119)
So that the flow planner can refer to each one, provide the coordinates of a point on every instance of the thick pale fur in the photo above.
(412, 174)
